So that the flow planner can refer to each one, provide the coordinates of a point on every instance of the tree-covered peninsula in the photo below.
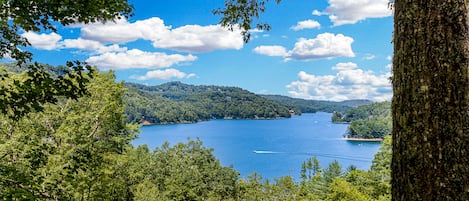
(176, 102)
(372, 121)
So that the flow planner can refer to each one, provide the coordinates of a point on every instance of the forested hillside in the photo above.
(312, 106)
(175, 102)
(367, 121)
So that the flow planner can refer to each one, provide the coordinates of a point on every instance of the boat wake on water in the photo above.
(353, 158)
(268, 152)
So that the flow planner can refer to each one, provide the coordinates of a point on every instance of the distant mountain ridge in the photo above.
(312, 106)
(177, 90)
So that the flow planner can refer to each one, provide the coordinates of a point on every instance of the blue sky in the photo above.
(317, 49)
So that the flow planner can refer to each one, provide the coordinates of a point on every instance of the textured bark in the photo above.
(431, 100)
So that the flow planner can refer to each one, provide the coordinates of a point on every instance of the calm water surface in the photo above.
(272, 148)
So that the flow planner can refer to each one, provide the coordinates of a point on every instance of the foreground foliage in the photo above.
(62, 152)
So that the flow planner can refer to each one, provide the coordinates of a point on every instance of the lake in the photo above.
(272, 148)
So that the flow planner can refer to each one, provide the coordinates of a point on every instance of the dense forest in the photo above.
(175, 102)
(366, 121)
(312, 106)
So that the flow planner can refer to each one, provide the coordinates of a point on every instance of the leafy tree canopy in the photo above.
(38, 86)
(241, 14)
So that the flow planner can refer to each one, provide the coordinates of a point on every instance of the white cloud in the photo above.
(121, 31)
(164, 75)
(43, 41)
(91, 45)
(137, 59)
(196, 39)
(345, 66)
(316, 12)
(306, 24)
(349, 83)
(389, 66)
(189, 38)
(54, 41)
(326, 45)
(273, 50)
(369, 56)
(350, 12)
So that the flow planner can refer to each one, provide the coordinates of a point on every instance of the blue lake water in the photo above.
(272, 148)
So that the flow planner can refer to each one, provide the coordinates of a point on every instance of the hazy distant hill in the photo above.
(311, 106)
(176, 102)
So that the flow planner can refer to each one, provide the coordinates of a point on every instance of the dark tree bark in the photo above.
(431, 100)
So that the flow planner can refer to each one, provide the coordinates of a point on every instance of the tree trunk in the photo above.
(431, 100)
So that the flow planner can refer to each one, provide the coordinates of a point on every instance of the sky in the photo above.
(317, 49)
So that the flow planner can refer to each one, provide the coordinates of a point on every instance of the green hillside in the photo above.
(176, 102)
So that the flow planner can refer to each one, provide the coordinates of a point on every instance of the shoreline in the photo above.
(363, 139)
(147, 123)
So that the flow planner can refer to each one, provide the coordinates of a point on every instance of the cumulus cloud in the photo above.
(137, 59)
(166, 74)
(350, 12)
(345, 66)
(316, 12)
(43, 41)
(273, 50)
(121, 31)
(91, 45)
(105, 42)
(326, 45)
(189, 38)
(54, 41)
(306, 24)
(349, 82)
(196, 39)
